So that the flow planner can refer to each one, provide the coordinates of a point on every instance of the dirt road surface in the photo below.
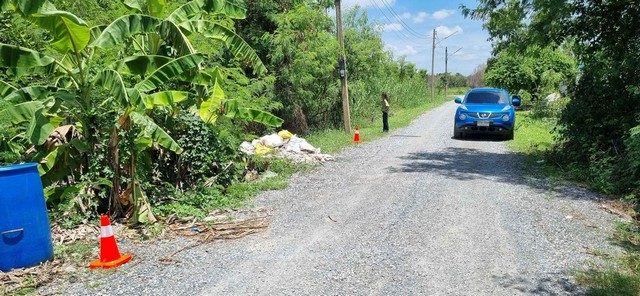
(414, 213)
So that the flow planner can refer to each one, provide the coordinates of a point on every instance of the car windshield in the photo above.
(486, 98)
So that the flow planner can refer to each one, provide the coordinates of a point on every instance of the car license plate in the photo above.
(484, 123)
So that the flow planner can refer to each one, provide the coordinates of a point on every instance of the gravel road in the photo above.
(414, 213)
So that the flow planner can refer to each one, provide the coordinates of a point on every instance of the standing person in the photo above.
(385, 112)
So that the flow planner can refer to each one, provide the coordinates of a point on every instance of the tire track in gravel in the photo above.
(416, 213)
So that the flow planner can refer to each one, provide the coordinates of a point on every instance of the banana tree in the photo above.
(163, 53)
(149, 34)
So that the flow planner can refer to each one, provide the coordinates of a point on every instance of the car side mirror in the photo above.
(516, 100)
(458, 100)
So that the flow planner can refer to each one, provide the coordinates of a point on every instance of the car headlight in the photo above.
(506, 117)
(462, 116)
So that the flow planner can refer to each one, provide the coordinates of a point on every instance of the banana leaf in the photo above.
(70, 33)
(155, 132)
(22, 112)
(133, 5)
(238, 47)
(28, 7)
(165, 98)
(210, 108)
(169, 31)
(41, 126)
(34, 93)
(6, 88)
(156, 7)
(19, 57)
(125, 27)
(143, 212)
(169, 71)
(233, 110)
(112, 82)
(232, 9)
(142, 64)
(186, 12)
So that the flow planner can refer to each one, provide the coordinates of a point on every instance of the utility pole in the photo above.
(446, 78)
(446, 72)
(342, 62)
(433, 58)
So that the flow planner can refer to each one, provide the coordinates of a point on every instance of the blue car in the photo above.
(486, 110)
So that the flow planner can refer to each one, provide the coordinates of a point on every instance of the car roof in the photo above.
(487, 89)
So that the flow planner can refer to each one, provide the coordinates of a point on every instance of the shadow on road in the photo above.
(481, 138)
(463, 164)
(551, 284)
(471, 164)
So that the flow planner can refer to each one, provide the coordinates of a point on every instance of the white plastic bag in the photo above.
(272, 140)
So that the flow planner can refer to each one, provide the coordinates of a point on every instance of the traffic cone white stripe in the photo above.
(106, 231)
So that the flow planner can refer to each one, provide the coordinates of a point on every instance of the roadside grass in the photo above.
(334, 140)
(534, 137)
(78, 252)
(622, 275)
(199, 203)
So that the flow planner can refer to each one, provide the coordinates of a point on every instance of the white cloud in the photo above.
(390, 27)
(404, 50)
(363, 3)
(420, 17)
(405, 16)
(463, 56)
(444, 31)
(443, 14)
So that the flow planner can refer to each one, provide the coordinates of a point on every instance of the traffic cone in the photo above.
(109, 255)
(356, 136)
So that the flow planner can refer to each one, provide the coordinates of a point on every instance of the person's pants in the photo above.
(385, 121)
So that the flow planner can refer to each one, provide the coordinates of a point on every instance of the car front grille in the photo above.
(484, 115)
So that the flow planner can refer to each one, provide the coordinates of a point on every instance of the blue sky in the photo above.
(407, 26)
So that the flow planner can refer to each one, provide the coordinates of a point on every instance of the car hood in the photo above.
(493, 108)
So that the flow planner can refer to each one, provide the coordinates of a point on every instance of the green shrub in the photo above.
(210, 151)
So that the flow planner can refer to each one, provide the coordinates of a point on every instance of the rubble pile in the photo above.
(286, 145)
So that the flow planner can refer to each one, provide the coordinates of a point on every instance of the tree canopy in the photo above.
(597, 128)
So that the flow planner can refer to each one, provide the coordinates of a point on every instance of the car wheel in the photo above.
(456, 133)
(509, 136)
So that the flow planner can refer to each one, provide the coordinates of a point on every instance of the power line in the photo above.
(391, 22)
(411, 30)
(403, 37)
(443, 39)
(397, 33)
(402, 23)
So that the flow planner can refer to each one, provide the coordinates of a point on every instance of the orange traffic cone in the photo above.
(109, 255)
(356, 136)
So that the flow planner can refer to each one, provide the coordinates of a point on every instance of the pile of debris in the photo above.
(224, 224)
(286, 145)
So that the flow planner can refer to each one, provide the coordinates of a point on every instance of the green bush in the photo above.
(195, 203)
(210, 151)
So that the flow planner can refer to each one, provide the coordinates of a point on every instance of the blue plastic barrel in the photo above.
(25, 236)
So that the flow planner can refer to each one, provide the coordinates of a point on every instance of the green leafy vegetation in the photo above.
(586, 51)
(112, 116)
(137, 108)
